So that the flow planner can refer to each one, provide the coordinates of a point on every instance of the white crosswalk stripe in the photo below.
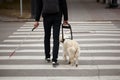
(99, 37)
(81, 40)
(67, 67)
(76, 35)
(62, 78)
(60, 58)
(82, 51)
(81, 45)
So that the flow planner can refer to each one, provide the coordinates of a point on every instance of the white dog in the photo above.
(72, 50)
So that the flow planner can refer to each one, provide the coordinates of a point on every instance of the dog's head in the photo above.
(62, 40)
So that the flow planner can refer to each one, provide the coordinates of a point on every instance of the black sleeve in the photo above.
(64, 9)
(38, 9)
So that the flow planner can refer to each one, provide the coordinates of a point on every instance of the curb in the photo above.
(10, 19)
(16, 20)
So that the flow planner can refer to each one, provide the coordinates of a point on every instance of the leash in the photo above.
(68, 26)
(11, 54)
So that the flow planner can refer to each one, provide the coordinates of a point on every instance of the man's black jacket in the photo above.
(62, 5)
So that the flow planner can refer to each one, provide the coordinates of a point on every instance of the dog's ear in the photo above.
(61, 40)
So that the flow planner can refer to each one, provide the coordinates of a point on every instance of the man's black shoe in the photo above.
(48, 60)
(55, 64)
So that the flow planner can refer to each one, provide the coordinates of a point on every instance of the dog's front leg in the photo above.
(76, 62)
(76, 57)
(72, 61)
(69, 61)
(65, 55)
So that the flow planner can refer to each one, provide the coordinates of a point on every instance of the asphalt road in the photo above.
(7, 28)
(96, 29)
(99, 59)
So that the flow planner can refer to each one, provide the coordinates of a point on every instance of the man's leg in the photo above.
(56, 32)
(47, 33)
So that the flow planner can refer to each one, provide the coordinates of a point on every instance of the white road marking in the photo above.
(60, 58)
(81, 45)
(82, 51)
(60, 67)
(61, 78)
(80, 40)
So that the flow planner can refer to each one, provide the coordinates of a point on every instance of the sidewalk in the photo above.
(11, 19)
(83, 10)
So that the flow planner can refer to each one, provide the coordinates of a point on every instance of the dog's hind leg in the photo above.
(72, 62)
(65, 55)
(76, 57)
(76, 62)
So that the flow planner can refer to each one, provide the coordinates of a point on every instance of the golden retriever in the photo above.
(72, 50)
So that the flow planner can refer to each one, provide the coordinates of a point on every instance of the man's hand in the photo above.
(65, 23)
(36, 24)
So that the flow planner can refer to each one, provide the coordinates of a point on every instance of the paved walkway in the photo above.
(82, 10)
(99, 59)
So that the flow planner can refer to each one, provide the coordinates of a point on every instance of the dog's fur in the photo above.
(72, 50)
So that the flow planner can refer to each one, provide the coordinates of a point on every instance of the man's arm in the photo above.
(38, 9)
(65, 10)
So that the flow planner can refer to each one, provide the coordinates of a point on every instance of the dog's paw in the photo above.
(69, 62)
(76, 65)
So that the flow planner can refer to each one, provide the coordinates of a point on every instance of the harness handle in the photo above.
(68, 26)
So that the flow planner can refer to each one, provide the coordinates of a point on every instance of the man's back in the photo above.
(62, 8)
(50, 6)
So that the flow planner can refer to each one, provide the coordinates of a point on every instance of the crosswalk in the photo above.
(99, 59)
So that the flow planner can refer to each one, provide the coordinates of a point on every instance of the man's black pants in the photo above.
(52, 21)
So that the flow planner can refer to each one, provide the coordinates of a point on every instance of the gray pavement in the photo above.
(99, 58)
(83, 10)
(97, 32)
(8, 28)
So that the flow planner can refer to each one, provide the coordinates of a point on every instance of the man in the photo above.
(51, 21)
